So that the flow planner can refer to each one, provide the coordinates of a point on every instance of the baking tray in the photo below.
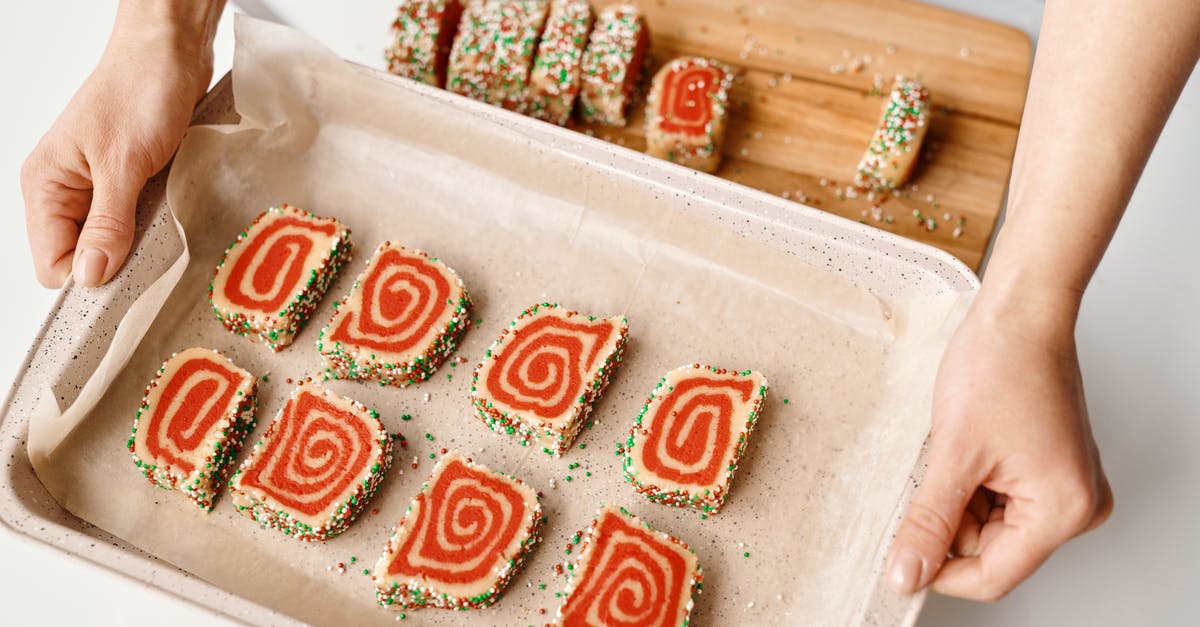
(80, 324)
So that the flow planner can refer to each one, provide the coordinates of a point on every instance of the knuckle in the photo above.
(930, 523)
(108, 228)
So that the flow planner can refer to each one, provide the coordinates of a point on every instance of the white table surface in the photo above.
(1138, 341)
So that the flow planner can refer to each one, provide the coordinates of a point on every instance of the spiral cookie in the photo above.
(493, 52)
(686, 444)
(630, 575)
(463, 538)
(554, 82)
(892, 152)
(539, 379)
(612, 64)
(421, 38)
(273, 274)
(403, 317)
(316, 467)
(686, 112)
(192, 421)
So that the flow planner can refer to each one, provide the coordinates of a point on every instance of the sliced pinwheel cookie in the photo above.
(403, 317)
(464, 536)
(275, 272)
(315, 468)
(539, 379)
(192, 421)
(686, 443)
(630, 574)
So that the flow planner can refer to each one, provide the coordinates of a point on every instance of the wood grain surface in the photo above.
(813, 74)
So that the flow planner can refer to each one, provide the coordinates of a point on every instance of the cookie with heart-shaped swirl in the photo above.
(275, 272)
(193, 419)
(315, 468)
(463, 538)
(405, 314)
(539, 379)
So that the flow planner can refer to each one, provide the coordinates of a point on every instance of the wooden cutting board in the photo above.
(814, 76)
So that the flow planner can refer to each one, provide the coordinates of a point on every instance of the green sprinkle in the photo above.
(405, 416)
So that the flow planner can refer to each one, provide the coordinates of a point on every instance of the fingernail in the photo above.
(905, 571)
(89, 267)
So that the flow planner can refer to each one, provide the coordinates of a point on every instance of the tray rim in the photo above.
(149, 571)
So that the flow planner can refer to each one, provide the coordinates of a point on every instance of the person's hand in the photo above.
(1013, 469)
(81, 182)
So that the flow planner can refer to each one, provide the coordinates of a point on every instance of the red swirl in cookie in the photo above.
(402, 298)
(268, 271)
(194, 398)
(633, 577)
(464, 524)
(685, 105)
(544, 367)
(316, 451)
(690, 431)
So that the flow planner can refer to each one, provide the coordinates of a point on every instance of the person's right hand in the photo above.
(81, 182)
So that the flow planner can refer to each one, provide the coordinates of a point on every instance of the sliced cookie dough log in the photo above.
(892, 153)
(493, 53)
(630, 574)
(192, 422)
(689, 437)
(275, 272)
(464, 537)
(554, 82)
(316, 467)
(612, 64)
(539, 379)
(421, 39)
(686, 112)
(405, 314)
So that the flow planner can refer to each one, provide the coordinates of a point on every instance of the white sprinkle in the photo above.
(946, 217)
(838, 69)
(553, 484)
(867, 58)
(915, 187)
(958, 231)
(877, 213)
(750, 605)
(787, 77)
(757, 134)
(518, 273)
(745, 152)
(786, 195)
(964, 53)
(426, 397)
(741, 545)
(929, 197)
(779, 597)
(823, 181)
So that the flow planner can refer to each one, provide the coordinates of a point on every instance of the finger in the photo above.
(932, 519)
(108, 232)
(53, 212)
(967, 540)
(1006, 560)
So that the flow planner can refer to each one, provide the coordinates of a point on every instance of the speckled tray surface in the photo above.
(78, 330)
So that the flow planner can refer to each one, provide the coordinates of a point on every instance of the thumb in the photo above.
(932, 519)
(108, 231)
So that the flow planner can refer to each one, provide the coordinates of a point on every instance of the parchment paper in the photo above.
(850, 373)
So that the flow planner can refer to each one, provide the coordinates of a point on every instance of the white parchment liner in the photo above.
(850, 373)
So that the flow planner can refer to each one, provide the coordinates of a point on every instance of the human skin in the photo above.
(1013, 467)
(1014, 471)
(82, 181)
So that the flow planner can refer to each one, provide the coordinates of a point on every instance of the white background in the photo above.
(1138, 341)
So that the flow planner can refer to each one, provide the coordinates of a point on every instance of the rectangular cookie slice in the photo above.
(193, 419)
(686, 112)
(421, 38)
(689, 437)
(462, 540)
(630, 574)
(272, 276)
(493, 53)
(540, 378)
(554, 82)
(892, 152)
(612, 64)
(405, 314)
(316, 467)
